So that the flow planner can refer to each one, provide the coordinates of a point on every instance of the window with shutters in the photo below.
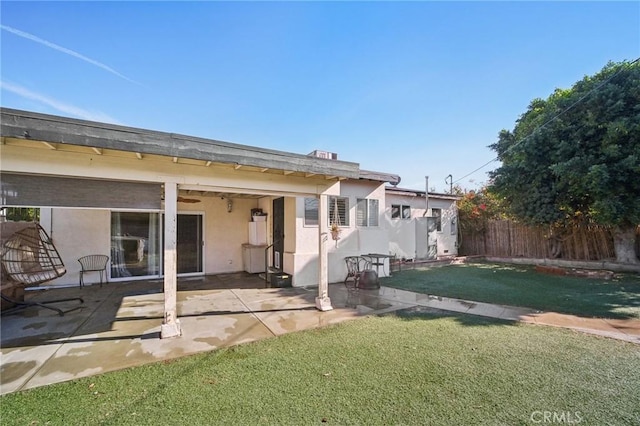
(339, 211)
(367, 212)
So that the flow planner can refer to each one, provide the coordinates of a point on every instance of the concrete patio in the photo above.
(118, 325)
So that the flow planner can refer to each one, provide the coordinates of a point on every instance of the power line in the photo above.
(550, 120)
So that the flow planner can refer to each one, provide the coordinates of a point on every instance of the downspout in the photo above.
(426, 209)
(426, 196)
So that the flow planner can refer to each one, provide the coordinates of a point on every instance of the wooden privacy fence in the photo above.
(505, 238)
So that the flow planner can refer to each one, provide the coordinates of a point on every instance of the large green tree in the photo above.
(575, 156)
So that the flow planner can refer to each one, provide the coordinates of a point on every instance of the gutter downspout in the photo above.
(426, 196)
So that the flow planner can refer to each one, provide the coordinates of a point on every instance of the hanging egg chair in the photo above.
(28, 259)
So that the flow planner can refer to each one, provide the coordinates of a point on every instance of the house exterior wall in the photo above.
(224, 232)
(79, 232)
(402, 232)
(76, 233)
(354, 240)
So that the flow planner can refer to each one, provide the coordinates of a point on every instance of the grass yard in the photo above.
(520, 285)
(416, 367)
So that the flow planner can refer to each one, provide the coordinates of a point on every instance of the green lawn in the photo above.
(517, 285)
(413, 368)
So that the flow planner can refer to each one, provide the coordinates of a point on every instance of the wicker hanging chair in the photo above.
(28, 259)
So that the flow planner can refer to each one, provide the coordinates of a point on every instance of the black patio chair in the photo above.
(93, 263)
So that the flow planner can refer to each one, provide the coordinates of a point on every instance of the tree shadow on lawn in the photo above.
(521, 285)
(426, 313)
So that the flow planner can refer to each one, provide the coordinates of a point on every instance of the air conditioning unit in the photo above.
(324, 154)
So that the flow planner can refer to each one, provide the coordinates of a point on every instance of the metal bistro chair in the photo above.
(93, 263)
(359, 269)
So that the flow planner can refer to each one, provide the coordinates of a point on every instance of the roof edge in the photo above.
(64, 130)
(421, 193)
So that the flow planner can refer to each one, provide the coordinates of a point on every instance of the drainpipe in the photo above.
(426, 210)
(426, 196)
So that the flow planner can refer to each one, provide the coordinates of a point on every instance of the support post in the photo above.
(171, 324)
(323, 303)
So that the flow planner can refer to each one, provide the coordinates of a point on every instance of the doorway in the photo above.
(190, 240)
(278, 233)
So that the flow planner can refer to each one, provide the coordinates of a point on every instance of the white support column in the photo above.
(171, 324)
(323, 302)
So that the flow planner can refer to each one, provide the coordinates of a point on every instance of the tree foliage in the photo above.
(475, 208)
(575, 156)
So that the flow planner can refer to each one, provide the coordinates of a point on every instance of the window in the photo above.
(454, 225)
(367, 212)
(311, 211)
(399, 211)
(437, 213)
(339, 211)
(18, 214)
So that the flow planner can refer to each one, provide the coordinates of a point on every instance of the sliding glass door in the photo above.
(135, 244)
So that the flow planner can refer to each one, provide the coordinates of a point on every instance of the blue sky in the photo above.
(412, 88)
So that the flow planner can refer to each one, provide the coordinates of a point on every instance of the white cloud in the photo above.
(57, 105)
(65, 50)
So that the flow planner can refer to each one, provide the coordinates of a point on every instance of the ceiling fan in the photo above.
(187, 200)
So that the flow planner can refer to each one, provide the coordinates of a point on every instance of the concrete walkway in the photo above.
(621, 329)
(118, 325)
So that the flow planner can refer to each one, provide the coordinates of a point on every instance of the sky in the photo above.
(411, 88)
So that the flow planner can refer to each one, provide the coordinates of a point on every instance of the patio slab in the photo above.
(118, 325)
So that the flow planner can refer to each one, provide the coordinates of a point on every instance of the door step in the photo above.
(267, 275)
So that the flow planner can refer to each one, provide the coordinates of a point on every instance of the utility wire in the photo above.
(549, 120)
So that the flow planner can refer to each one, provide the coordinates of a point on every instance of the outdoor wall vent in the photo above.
(324, 154)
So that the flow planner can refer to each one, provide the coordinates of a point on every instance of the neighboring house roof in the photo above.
(51, 130)
(418, 193)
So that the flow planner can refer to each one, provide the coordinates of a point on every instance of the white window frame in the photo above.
(402, 208)
(311, 210)
(343, 216)
(369, 208)
(438, 218)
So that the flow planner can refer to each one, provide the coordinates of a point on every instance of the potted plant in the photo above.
(335, 231)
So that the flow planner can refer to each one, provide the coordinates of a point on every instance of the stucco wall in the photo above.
(353, 240)
(224, 232)
(402, 232)
(76, 233)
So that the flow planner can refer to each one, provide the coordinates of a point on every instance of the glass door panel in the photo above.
(135, 244)
(189, 243)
